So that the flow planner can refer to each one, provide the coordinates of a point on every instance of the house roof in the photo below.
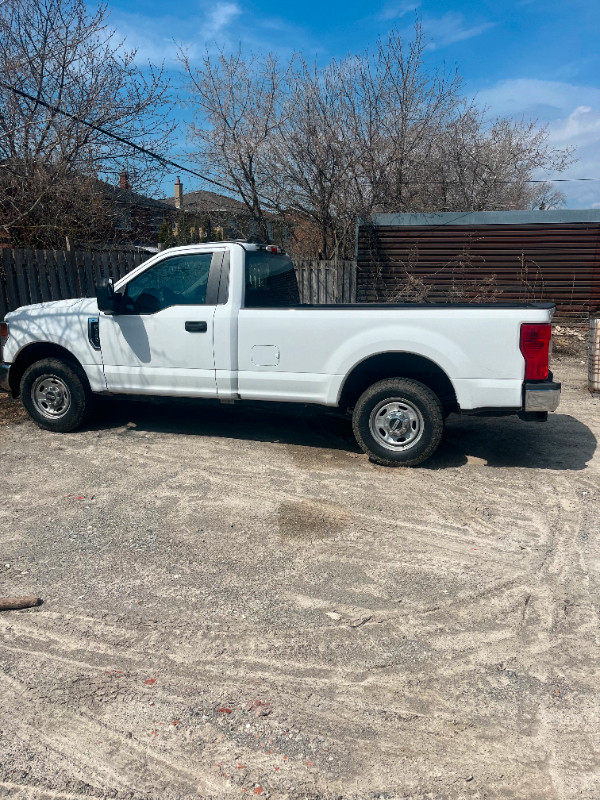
(203, 200)
(131, 198)
(116, 193)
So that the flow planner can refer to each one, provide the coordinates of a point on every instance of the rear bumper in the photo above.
(4, 384)
(539, 397)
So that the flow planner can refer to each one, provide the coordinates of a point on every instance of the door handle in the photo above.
(196, 327)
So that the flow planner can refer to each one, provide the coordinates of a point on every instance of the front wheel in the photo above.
(56, 395)
(398, 422)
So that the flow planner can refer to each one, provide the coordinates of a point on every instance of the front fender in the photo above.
(64, 323)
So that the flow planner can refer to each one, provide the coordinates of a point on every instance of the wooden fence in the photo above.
(326, 281)
(35, 276)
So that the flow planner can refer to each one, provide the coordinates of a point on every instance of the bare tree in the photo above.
(56, 56)
(314, 160)
(357, 133)
(239, 105)
(424, 147)
(478, 165)
(375, 132)
(398, 109)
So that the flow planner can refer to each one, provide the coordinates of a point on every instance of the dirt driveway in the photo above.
(239, 604)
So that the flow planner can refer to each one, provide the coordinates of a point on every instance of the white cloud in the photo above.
(219, 18)
(153, 42)
(157, 39)
(222, 26)
(580, 128)
(393, 11)
(572, 114)
(529, 96)
(451, 28)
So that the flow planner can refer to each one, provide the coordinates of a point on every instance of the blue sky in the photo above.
(532, 59)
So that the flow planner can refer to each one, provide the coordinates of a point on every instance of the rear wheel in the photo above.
(398, 422)
(56, 395)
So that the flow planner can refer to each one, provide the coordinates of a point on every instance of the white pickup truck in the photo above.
(223, 320)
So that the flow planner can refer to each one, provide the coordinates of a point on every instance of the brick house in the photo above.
(93, 214)
(213, 216)
(135, 220)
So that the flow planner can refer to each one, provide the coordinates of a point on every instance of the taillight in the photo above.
(271, 248)
(535, 346)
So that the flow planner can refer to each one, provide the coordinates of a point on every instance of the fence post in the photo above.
(63, 274)
(72, 271)
(24, 297)
(95, 257)
(42, 275)
(52, 275)
(12, 291)
(89, 276)
(338, 282)
(594, 356)
(3, 293)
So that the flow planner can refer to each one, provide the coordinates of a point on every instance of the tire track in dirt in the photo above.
(97, 753)
(560, 608)
(16, 791)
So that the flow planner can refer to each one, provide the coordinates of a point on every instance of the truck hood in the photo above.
(80, 305)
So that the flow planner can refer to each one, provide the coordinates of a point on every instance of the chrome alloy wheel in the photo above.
(396, 424)
(51, 396)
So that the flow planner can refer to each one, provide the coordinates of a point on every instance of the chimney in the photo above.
(178, 193)
(124, 181)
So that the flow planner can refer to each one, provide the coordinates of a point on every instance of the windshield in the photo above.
(270, 280)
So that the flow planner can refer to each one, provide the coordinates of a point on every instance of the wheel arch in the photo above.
(36, 352)
(397, 365)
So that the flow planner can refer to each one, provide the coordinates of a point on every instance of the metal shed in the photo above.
(522, 255)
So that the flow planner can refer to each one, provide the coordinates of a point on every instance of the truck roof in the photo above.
(243, 242)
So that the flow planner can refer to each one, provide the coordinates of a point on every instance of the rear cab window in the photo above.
(270, 280)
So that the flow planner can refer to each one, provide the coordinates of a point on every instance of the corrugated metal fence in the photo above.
(524, 263)
(35, 276)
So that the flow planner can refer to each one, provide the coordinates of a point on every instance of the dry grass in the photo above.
(568, 341)
(11, 411)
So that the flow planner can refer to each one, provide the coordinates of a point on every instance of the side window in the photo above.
(176, 281)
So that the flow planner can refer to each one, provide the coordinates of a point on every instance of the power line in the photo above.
(492, 178)
(58, 110)
(561, 180)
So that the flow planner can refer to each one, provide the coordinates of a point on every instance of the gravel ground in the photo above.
(238, 603)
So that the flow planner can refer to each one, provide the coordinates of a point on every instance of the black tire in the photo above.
(398, 422)
(56, 395)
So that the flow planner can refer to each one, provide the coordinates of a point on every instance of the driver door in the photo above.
(161, 343)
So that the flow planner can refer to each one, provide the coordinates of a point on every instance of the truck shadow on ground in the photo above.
(285, 423)
(562, 443)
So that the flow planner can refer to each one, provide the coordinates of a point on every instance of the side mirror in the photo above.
(105, 293)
